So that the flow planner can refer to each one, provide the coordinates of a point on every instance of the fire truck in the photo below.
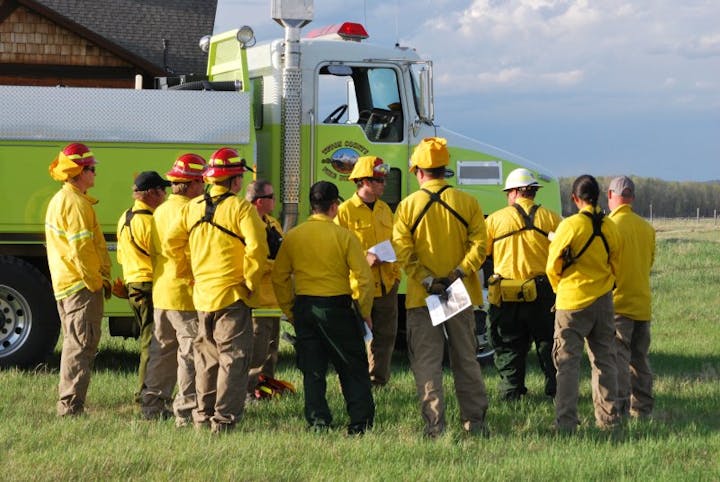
(301, 109)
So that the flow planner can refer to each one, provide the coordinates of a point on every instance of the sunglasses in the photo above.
(89, 168)
(266, 196)
(379, 180)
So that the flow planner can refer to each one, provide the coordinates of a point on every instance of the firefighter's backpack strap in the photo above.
(274, 240)
(435, 198)
(129, 214)
(210, 206)
(596, 219)
(529, 219)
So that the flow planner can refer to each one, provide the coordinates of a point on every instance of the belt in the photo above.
(339, 300)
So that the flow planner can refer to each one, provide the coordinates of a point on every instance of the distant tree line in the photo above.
(669, 199)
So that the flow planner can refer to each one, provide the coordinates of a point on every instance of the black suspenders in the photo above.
(597, 220)
(435, 198)
(129, 214)
(210, 207)
(529, 219)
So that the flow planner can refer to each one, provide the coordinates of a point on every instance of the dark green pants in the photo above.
(513, 327)
(327, 331)
(140, 298)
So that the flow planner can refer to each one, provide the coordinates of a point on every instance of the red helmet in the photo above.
(188, 167)
(80, 154)
(226, 162)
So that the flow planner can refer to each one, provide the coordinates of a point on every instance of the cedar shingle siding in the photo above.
(101, 43)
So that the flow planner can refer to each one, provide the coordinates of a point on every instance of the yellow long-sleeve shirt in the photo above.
(266, 293)
(136, 265)
(593, 274)
(632, 291)
(318, 258)
(441, 242)
(371, 227)
(224, 269)
(76, 250)
(522, 255)
(169, 291)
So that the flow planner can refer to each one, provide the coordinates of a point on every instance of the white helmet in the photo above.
(521, 178)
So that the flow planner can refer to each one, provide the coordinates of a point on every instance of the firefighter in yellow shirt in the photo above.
(133, 253)
(228, 252)
(266, 325)
(518, 242)
(581, 266)
(174, 317)
(371, 220)
(80, 271)
(632, 301)
(316, 293)
(439, 236)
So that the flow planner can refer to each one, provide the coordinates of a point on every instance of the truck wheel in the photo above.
(29, 322)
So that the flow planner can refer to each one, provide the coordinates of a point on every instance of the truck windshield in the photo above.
(362, 95)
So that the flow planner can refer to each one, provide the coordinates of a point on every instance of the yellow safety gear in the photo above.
(369, 166)
(522, 255)
(133, 245)
(326, 269)
(225, 269)
(441, 242)
(76, 250)
(592, 274)
(371, 228)
(431, 152)
(169, 291)
(632, 297)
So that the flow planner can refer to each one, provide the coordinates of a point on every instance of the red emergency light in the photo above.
(346, 31)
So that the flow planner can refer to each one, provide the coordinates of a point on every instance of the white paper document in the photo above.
(458, 300)
(384, 251)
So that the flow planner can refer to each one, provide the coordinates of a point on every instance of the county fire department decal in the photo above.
(340, 158)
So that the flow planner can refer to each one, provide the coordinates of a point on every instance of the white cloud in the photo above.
(702, 47)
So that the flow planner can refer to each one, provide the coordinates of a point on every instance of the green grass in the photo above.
(681, 442)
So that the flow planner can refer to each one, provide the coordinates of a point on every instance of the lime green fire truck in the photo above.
(301, 109)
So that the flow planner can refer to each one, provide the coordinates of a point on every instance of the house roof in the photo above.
(159, 35)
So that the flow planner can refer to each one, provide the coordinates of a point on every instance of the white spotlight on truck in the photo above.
(246, 36)
(205, 43)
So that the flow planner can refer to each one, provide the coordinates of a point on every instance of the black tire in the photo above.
(29, 321)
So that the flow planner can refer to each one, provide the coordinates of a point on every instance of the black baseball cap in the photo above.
(150, 180)
(324, 191)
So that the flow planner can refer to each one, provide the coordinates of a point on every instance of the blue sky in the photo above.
(603, 87)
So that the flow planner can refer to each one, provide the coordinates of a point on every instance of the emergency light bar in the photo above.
(346, 31)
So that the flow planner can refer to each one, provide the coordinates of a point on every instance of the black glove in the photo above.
(457, 273)
(438, 286)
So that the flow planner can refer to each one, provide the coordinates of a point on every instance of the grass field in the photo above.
(681, 442)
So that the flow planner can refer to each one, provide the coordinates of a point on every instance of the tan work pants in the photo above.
(80, 316)
(572, 327)
(223, 349)
(635, 378)
(266, 337)
(380, 349)
(171, 361)
(425, 349)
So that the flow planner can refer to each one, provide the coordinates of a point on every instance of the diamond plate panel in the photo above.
(123, 115)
